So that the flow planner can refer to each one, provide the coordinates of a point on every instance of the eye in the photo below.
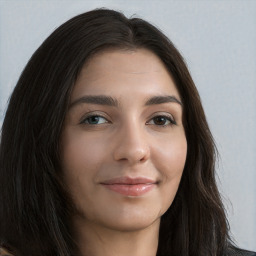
(94, 120)
(162, 120)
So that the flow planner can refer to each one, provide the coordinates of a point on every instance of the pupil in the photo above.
(160, 120)
(93, 119)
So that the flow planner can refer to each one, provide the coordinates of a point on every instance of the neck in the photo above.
(95, 240)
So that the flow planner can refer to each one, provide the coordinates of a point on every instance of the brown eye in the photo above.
(162, 121)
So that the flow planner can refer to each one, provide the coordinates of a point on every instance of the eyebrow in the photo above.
(109, 101)
(162, 99)
(99, 100)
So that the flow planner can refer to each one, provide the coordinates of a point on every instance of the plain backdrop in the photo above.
(218, 41)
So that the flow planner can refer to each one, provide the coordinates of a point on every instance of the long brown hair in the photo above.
(34, 210)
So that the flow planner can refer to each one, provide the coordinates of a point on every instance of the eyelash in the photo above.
(167, 117)
(90, 116)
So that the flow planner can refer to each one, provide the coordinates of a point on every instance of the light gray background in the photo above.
(218, 41)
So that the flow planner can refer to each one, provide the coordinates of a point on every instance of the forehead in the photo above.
(122, 72)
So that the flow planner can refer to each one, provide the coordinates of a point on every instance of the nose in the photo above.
(132, 145)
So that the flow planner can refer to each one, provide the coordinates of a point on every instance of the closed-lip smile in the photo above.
(128, 186)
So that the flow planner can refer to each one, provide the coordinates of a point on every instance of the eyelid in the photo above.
(90, 114)
(156, 114)
(164, 114)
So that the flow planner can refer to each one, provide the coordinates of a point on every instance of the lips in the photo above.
(130, 186)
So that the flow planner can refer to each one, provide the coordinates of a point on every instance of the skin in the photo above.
(127, 140)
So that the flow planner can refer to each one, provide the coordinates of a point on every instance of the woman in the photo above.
(106, 150)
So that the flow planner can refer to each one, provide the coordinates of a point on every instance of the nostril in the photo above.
(131, 155)
(132, 148)
(142, 159)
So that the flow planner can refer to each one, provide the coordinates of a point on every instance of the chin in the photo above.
(132, 223)
(124, 213)
(131, 218)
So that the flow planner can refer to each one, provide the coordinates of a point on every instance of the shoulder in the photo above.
(4, 252)
(248, 253)
(239, 252)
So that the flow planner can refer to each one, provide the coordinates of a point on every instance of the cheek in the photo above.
(81, 157)
(81, 153)
(169, 159)
(170, 155)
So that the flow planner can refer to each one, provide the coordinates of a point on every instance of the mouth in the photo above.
(130, 186)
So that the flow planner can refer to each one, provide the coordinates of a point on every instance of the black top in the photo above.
(238, 252)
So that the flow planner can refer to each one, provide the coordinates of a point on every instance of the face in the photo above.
(123, 142)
